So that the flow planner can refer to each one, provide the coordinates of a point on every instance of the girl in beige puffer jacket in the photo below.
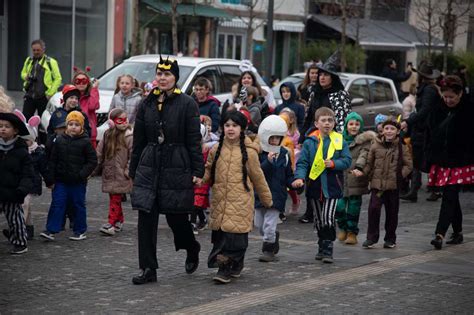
(233, 170)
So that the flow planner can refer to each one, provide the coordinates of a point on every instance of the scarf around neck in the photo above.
(7, 145)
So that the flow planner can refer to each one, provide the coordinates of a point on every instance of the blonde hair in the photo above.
(291, 122)
(6, 103)
(114, 138)
(132, 80)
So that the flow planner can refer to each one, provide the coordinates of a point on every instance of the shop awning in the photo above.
(278, 25)
(375, 34)
(188, 9)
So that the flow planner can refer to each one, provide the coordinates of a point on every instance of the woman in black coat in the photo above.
(427, 99)
(452, 155)
(166, 162)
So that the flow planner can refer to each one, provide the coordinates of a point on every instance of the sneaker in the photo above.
(368, 244)
(47, 235)
(305, 219)
(201, 225)
(18, 250)
(282, 217)
(195, 230)
(107, 229)
(78, 237)
(118, 227)
(389, 244)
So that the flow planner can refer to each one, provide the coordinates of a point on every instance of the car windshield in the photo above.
(142, 71)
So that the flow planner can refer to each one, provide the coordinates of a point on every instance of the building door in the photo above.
(3, 44)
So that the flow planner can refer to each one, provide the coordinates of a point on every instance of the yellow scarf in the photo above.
(318, 166)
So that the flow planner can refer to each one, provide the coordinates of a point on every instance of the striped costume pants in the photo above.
(16, 222)
(324, 217)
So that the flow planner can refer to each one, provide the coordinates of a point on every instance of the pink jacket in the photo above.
(89, 105)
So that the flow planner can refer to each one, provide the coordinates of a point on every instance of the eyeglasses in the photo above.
(82, 81)
(120, 121)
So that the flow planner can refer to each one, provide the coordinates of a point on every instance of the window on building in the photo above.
(230, 46)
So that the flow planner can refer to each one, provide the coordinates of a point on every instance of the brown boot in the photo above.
(342, 235)
(351, 238)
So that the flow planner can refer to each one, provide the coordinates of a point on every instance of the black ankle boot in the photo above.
(276, 249)
(319, 254)
(456, 238)
(147, 275)
(437, 242)
(192, 259)
(411, 196)
(434, 196)
(327, 251)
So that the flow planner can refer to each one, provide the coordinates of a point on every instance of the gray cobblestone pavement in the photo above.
(94, 276)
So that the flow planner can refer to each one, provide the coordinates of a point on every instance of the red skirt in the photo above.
(442, 176)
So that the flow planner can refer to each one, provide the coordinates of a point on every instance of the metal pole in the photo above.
(73, 35)
(269, 64)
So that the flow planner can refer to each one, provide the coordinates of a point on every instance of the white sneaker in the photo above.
(78, 237)
(107, 229)
(118, 227)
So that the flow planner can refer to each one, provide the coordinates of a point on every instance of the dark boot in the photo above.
(192, 258)
(268, 254)
(437, 242)
(236, 268)
(276, 249)
(30, 232)
(147, 275)
(327, 251)
(434, 196)
(223, 274)
(412, 194)
(456, 238)
(319, 254)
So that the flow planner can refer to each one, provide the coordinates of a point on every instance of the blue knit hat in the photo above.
(380, 118)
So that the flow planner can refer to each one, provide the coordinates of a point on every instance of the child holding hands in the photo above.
(323, 159)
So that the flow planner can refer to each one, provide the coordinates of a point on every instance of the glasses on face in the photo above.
(82, 81)
(120, 121)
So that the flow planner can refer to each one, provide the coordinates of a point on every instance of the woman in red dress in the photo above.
(452, 156)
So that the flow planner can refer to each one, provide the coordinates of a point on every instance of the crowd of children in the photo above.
(253, 161)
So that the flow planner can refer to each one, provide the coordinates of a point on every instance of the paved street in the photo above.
(94, 275)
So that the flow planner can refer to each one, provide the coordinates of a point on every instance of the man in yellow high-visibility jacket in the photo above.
(41, 79)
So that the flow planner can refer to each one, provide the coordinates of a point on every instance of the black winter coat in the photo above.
(72, 160)
(163, 173)
(396, 77)
(452, 135)
(16, 173)
(40, 166)
(279, 176)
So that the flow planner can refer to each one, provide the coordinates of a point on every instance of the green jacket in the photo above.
(52, 77)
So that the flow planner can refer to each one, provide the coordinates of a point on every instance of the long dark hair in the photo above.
(307, 80)
(255, 83)
(240, 120)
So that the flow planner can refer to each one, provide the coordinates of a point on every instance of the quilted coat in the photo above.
(163, 173)
(357, 186)
(232, 207)
(115, 178)
(382, 163)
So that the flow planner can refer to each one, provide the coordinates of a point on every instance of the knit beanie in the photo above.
(352, 116)
(170, 65)
(76, 116)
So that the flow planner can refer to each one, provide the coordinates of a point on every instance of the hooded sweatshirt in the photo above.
(128, 103)
(292, 104)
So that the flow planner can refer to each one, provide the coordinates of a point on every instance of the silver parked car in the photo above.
(370, 94)
(222, 73)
